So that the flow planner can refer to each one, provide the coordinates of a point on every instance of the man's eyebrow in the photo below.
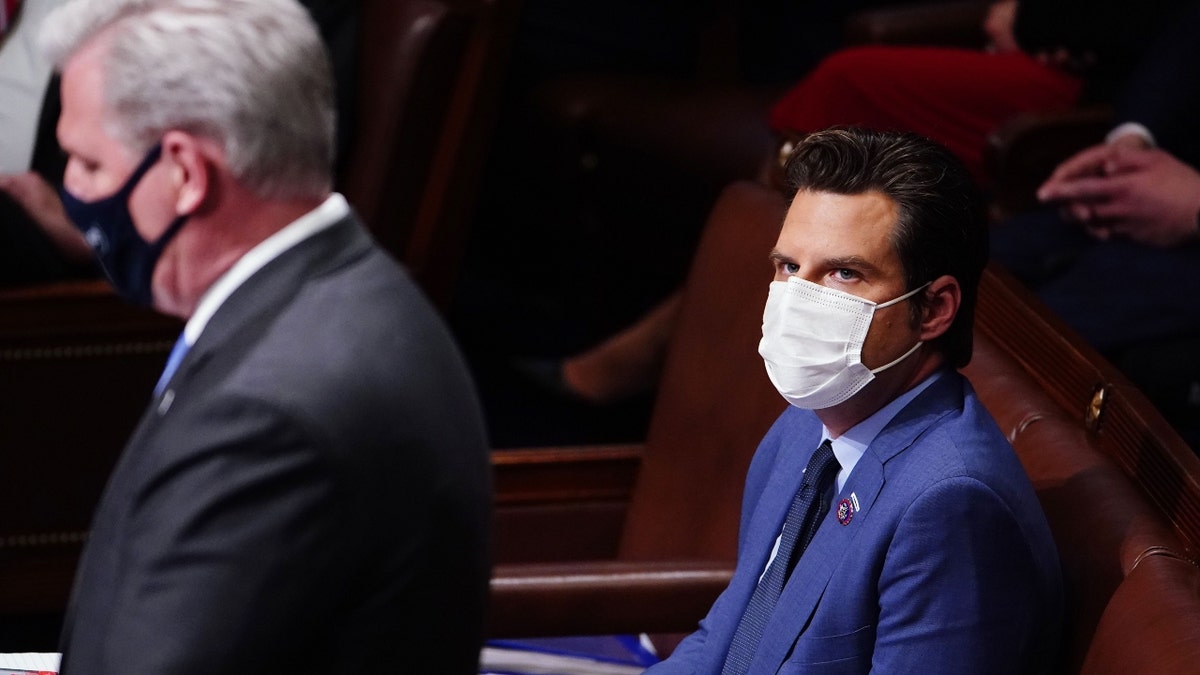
(852, 261)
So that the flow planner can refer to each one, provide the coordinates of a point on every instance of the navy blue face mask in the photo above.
(127, 259)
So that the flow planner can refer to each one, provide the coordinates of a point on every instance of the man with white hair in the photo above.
(309, 487)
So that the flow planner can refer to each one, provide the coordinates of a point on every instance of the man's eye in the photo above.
(790, 268)
(845, 274)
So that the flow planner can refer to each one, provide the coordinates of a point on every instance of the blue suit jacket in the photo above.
(947, 564)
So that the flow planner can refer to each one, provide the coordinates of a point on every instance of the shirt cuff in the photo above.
(1128, 128)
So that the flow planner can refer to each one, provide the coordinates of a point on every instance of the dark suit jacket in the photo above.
(1164, 91)
(310, 493)
(946, 564)
(1111, 291)
(1114, 32)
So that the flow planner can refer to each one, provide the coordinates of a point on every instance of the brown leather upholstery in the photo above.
(1148, 450)
(426, 94)
(543, 495)
(1151, 625)
(714, 405)
(1109, 518)
(715, 402)
(1095, 396)
(1103, 525)
(78, 366)
(605, 596)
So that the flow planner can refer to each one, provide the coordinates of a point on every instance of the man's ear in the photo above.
(942, 300)
(191, 170)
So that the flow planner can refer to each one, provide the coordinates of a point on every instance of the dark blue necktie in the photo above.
(177, 353)
(809, 506)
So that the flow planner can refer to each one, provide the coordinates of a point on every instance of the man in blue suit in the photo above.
(927, 549)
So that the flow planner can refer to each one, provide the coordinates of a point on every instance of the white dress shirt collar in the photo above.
(850, 446)
(324, 216)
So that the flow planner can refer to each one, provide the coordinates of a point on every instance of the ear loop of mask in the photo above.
(889, 303)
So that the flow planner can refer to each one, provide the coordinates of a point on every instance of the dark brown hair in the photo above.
(940, 228)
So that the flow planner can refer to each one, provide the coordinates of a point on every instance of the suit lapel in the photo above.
(834, 541)
(816, 566)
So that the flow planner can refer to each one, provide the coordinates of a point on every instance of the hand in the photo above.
(1145, 195)
(42, 203)
(1001, 18)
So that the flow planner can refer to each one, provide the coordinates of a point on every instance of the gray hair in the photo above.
(251, 75)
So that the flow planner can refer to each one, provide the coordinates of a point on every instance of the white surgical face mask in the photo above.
(812, 342)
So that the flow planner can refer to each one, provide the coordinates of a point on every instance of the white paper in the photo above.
(494, 659)
(46, 661)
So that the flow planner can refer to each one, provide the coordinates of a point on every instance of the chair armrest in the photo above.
(1024, 151)
(526, 475)
(77, 312)
(595, 598)
(951, 23)
(562, 503)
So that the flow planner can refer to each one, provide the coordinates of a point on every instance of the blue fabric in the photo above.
(173, 360)
(1116, 294)
(622, 649)
(946, 564)
(803, 518)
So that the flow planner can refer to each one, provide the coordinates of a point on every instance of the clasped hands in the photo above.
(1125, 188)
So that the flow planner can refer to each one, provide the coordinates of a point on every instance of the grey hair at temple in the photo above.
(251, 75)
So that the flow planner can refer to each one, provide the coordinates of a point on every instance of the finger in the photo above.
(1078, 189)
(1079, 212)
(1112, 212)
(1128, 160)
(1088, 162)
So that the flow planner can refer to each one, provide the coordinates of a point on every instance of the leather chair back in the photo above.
(715, 402)
(76, 368)
(1118, 486)
(1151, 624)
(426, 93)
